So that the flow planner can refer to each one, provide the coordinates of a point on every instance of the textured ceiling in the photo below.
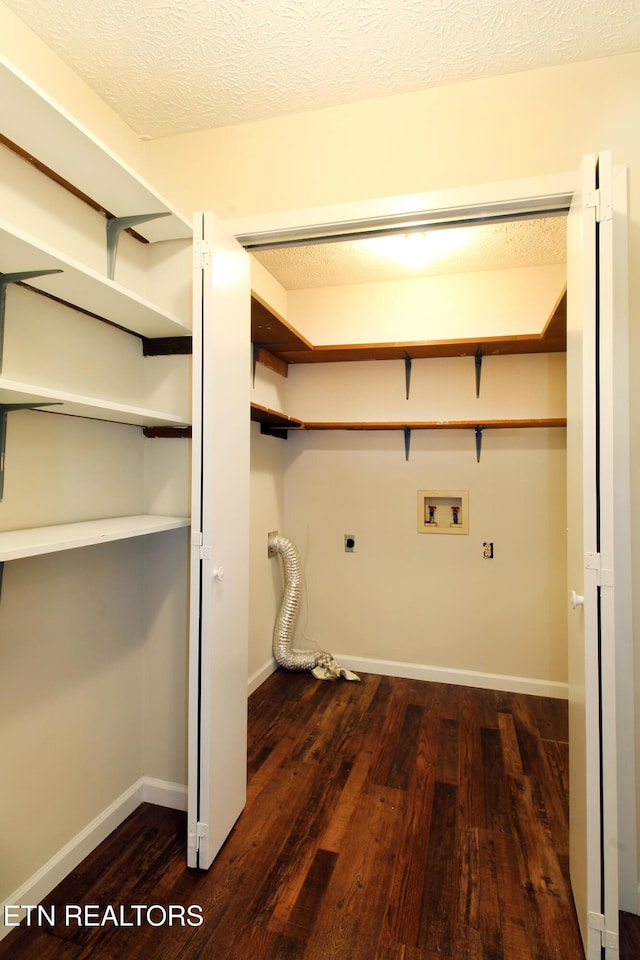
(523, 243)
(170, 66)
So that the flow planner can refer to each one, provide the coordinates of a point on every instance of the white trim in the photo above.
(476, 201)
(421, 671)
(162, 793)
(465, 678)
(43, 881)
(263, 673)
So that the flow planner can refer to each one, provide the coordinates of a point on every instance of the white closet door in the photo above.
(584, 691)
(220, 540)
(596, 389)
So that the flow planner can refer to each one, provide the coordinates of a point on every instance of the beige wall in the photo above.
(425, 599)
(525, 124)
(461, 306)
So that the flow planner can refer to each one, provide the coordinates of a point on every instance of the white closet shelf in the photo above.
(76, 405)
(16, 544)
(83, 287)
(30, 118)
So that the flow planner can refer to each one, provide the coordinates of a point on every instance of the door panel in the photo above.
(584, 730)
(598, 546)
(220, 540)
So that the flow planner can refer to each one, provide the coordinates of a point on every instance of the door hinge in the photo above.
(598, 200)
(198, 832)
(608, 938)
(206, 552)
(202, 254)
(604, 576)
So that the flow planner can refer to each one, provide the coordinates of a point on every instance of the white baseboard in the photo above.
(42, 882)
(421, 671)
(164, 794)
(466, 678)
(259, 677)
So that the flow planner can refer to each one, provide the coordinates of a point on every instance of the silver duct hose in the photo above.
(285, 623)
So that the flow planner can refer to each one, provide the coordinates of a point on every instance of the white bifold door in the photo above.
(601, 755)
(219, 592)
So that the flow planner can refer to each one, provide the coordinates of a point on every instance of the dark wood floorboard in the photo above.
(386, 820)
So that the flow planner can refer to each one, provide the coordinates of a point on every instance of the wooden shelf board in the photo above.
(76, 405)
(44, 130)
(273, 418)
(82, 287)
(284, 422)
(357, 352)
(437, 424)
(290, 347)
(16, 544)
(272, 332)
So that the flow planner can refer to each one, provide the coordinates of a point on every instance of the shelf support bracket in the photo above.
(5, 280)
(407, 441)
(407, 373)
(115, 226)
(6, 408)
(478, 362)
(256, 350)
(478, 433)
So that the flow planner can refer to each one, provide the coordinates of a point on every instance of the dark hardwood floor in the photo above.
(386, 820)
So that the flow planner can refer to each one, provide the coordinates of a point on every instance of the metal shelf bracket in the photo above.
(407, 441)
(478, 433)
(5, 280)
(407, 373)
(478, 362)
(6, 408)
(115, 226)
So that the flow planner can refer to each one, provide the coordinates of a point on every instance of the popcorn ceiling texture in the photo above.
(171, 66)
(502, 246)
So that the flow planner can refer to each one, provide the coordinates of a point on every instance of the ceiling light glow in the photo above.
(417, 250)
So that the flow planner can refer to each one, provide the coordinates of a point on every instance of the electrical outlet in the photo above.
(487, 551)
(349, 543)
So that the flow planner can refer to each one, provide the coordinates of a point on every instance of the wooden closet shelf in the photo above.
(282, 341)
(16, 544)
(281, 421)
(436, 424)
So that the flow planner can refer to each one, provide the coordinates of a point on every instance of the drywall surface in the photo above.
(482, 131)
(424, 599)
(71, 730)
(460, 306)
(529, 386)
(266, 515)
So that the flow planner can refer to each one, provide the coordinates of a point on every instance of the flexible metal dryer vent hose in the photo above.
(285, 623)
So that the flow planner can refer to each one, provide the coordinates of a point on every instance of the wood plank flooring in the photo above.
(386, 820)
